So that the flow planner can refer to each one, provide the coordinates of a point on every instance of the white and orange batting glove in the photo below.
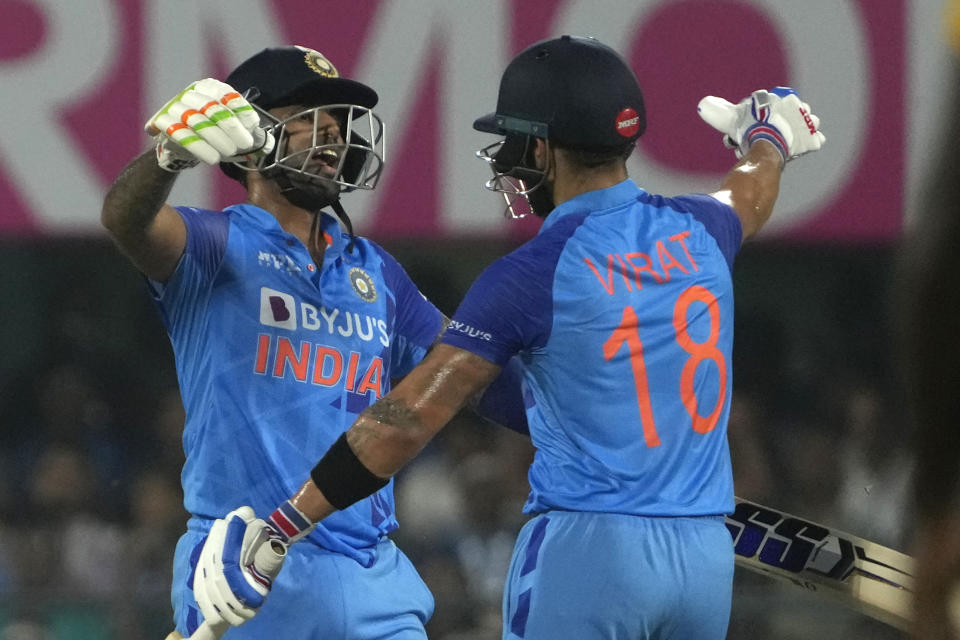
(777, 116)
(208, 121)
(236, 567)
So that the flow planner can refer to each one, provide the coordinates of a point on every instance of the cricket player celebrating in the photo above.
(621, 310)
(284, 328)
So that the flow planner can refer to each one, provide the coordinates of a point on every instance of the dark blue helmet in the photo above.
(576, 92)
(294, 75)
(283, 76)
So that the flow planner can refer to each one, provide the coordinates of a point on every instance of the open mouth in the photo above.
(324, 162)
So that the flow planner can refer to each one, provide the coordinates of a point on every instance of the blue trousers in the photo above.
(604, 576)
(323, 596)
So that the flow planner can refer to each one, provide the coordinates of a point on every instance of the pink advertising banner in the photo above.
(79, 78)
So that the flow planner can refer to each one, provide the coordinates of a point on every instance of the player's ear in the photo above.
(540, 152)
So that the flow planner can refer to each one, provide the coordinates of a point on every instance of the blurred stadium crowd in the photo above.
(90, 502)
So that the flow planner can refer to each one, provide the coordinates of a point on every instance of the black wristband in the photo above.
(342, 478)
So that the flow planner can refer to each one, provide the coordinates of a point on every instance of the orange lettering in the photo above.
(352, 370)
(608, 284)
(647, 266)
(670, 262)
(336, 359)
(679, 238)
(628, 333)
(623, 272)
(285, 354)
(263, 350)
(700, 351)
(371, 379)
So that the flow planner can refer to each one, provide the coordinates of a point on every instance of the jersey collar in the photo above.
(333, 234)
(598, 200)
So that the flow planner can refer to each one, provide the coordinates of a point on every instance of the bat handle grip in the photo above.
(268, 560)
(208, 631)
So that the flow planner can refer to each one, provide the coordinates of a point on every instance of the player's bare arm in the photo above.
(752, 186)
(147, 230)
(206, 122)
(395, 429)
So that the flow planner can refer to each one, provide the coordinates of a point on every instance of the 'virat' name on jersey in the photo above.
(640, 262)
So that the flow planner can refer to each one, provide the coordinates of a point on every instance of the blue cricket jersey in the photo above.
(276, 358)
(621, 310)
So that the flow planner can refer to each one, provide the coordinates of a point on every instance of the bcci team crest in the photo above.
(319, 64)
(363, 285)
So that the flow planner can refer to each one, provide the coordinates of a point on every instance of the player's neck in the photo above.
(569, 189)
(574, 181)
(295, 220)
(292, 218)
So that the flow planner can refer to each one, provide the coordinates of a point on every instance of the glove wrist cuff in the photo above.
(769, 133)
(289, 524)
(170, 161)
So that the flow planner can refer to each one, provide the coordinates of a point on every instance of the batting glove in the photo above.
(777, 116)
(207, 121)
(226, 585)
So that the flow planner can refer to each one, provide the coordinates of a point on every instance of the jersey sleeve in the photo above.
(719, 219)
(502, 402)
(509, 308)
(206, 246)
(417, 321)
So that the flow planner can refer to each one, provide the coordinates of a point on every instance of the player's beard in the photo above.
(308, 192)
(541, 199)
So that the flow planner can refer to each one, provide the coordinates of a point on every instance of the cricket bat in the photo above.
(860, 574)
(865, 576)
(268, 560)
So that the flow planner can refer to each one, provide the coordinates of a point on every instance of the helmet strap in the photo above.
(540, 196)
(315, 233)
(345, 219)
(541, 200)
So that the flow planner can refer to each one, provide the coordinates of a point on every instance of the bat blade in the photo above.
(863, 575)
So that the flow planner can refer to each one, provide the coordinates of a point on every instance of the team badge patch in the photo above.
(319, 64)
(363, 284)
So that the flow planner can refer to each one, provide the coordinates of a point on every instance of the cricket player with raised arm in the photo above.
(284, 327)
(621, 311)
